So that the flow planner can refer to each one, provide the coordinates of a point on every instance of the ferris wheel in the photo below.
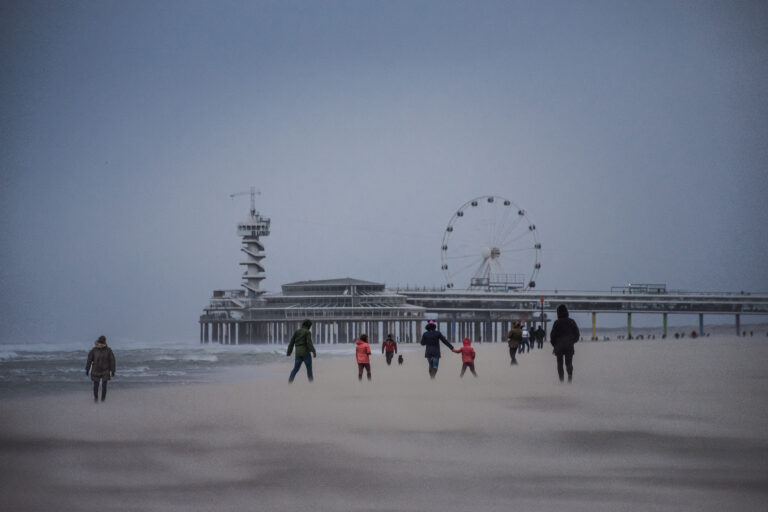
(491, 244)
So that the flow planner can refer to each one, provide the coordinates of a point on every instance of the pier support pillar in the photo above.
(629, 326)
(594, 326)
(664, 336)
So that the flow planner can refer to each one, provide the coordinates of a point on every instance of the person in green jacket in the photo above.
(302, 340)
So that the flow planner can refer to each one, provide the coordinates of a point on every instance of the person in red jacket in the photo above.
(390, 347)
(467, 357)
(363, 351)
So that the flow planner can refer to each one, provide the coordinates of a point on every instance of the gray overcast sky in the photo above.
(634, 134)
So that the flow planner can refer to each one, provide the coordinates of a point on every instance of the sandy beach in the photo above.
(646, 425)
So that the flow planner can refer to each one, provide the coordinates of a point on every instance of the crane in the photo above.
(253, 193)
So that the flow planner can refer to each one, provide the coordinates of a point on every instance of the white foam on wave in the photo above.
(135, 370)
(210, 358)
(8, 355)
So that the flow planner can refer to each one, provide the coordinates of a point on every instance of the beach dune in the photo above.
(645, 425)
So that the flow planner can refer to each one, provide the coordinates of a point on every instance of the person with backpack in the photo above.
(564, 334)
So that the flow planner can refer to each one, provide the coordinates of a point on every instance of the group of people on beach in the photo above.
(100, 364)
(564, 334)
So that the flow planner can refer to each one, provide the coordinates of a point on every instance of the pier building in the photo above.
(342, 309)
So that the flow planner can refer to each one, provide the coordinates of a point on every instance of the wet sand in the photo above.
(646, 425)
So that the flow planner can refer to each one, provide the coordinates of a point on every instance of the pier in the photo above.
(342, 309)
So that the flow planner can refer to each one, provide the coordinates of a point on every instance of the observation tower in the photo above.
(251, 230)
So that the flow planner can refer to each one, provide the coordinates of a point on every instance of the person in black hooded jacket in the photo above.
(101, 365)
(563, 335)
(431, 339)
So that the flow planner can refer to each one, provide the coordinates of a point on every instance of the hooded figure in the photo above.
(431, 340)
(363, 352)
(564, 334)
(101, 366)
(514, 338)
(302, 340)
(467, 357)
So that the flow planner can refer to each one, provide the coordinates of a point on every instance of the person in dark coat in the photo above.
(431, 340)
(564, 334)
(302, 341)
(514, 339)
(101, 366)
(540, 335)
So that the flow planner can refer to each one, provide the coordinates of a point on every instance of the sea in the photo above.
(55, 367)
(45, 368)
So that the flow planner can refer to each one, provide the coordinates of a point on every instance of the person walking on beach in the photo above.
(302, 341)
(526, 343)
(431, 340)
(363, 352)
(390, 347)
(564, 334)
(101, 365)
(514, 338)
(467, 357)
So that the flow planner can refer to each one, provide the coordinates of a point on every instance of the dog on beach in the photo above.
(400, 359)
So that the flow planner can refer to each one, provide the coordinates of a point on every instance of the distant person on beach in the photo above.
(302, 340)
(526, 343)
(540, 335)
(514, 338)
(467, 357)
(363, 352)
(390, 348)
(431, 339)
(564, 334)
(101, 365)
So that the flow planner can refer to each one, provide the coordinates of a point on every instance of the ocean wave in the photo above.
(139, 370)
(7, 356)
(210, 358)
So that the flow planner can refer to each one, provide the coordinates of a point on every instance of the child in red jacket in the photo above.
(467, 357)
(363, 350)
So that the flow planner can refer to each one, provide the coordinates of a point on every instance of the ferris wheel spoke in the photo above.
(463, 256)
(492, 233)
(480, 230)
(482, 270)
(464, 268)
(510, 233)
(514, 239)
(502, 225)
(518, 249)
(499, 268)
(510, 230)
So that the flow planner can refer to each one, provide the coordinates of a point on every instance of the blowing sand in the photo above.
(646, 425)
